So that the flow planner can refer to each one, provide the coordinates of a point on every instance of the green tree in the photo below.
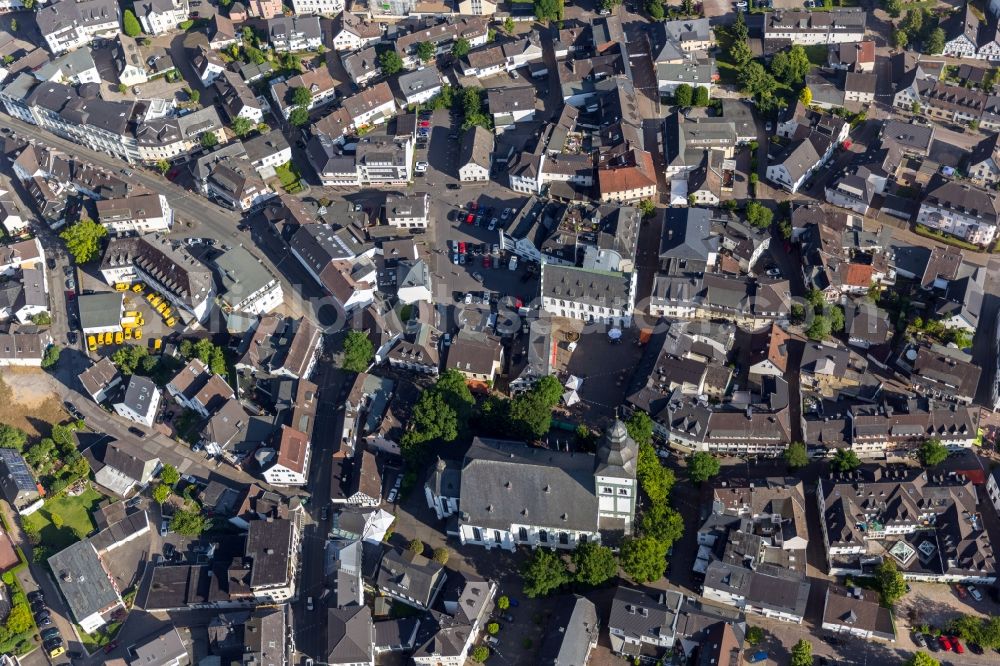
(441, 555)
(700, 96)
(83, 240)
(662, 523)
(683, 95)
(451, 384)
(756, 81)
(12, 437)
(806, 96)
(655, 9)
(796, 455)
(740, 53)
(194, 95)
(921, 659)
(121, 88)
(209, 140)
(531, 416)
(594, 563)
(503, 603)
(493, 628)
(890, 582)
(163, 166)
(432, 419)
(243, 126)
(640, 428)
(894, 8)
(754, 635)
(358, 352)
(935, 42)
(130, 24)
(819, 329)
(648, 208)
(169, 475)
(416, 546)
(548, 10)
(644, 558)
(480, 653)
(739, 29)
(791, 66)
(19, 619)
(932, 452)
(816, 299)
(549, 390)
(188, 522)
(508, 25)
(161, 493)
(544, 573)
(128, 358)
(845, 460)
(836, 315)
(56, 520)
(654, 479)
(391, 62)
(900, 39)
(802, 653)
(969, 628)
(759, 215)
(460, 48)
(702, 466)
(51, 356)
(989, 632)
(301, 96)
(299, 117)
(210, 354)
(426, 51)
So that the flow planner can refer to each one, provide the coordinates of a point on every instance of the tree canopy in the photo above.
(358, 352)
(759, 215)
(12, 437)
(932, 452)
(757, 82)
(662, 523)
(160, 493)
(461, 47)
(802, 653)
(845, 460)
(644, 558)
(242, 126)
(188, 522)
(594, 563)
(890, 582)
(921, 659)
(169, 475)
(299, 117)
(796, 455)
(130, 24)
(683, 95)
(301, 96)
(791, 66)
(426, 51)
(702, 466)
(51, 357)
(549, 10)
(83, 240)
(391, 62)
(544, 573)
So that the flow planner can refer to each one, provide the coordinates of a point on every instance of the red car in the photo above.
(956, 646)
(945, 643)
(461, 247)
(424, 123)
(469, 218)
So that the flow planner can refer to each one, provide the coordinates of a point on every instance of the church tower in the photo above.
(615, 479)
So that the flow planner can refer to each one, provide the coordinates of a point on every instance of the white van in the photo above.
(513, 263)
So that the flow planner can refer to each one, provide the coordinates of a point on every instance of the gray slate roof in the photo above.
(83, 580)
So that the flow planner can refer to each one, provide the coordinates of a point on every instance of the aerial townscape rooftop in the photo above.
(341, 332)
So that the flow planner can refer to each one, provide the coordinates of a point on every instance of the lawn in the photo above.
(75, 513)
(927, 232)
(99, 638)
(290, 177)
(817, 54)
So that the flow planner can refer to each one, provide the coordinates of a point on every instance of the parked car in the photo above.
(918, 640)
(945, 643)
(760, 655)
(493, 224)
(976, 594)
(956, 645)
(137, 432)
